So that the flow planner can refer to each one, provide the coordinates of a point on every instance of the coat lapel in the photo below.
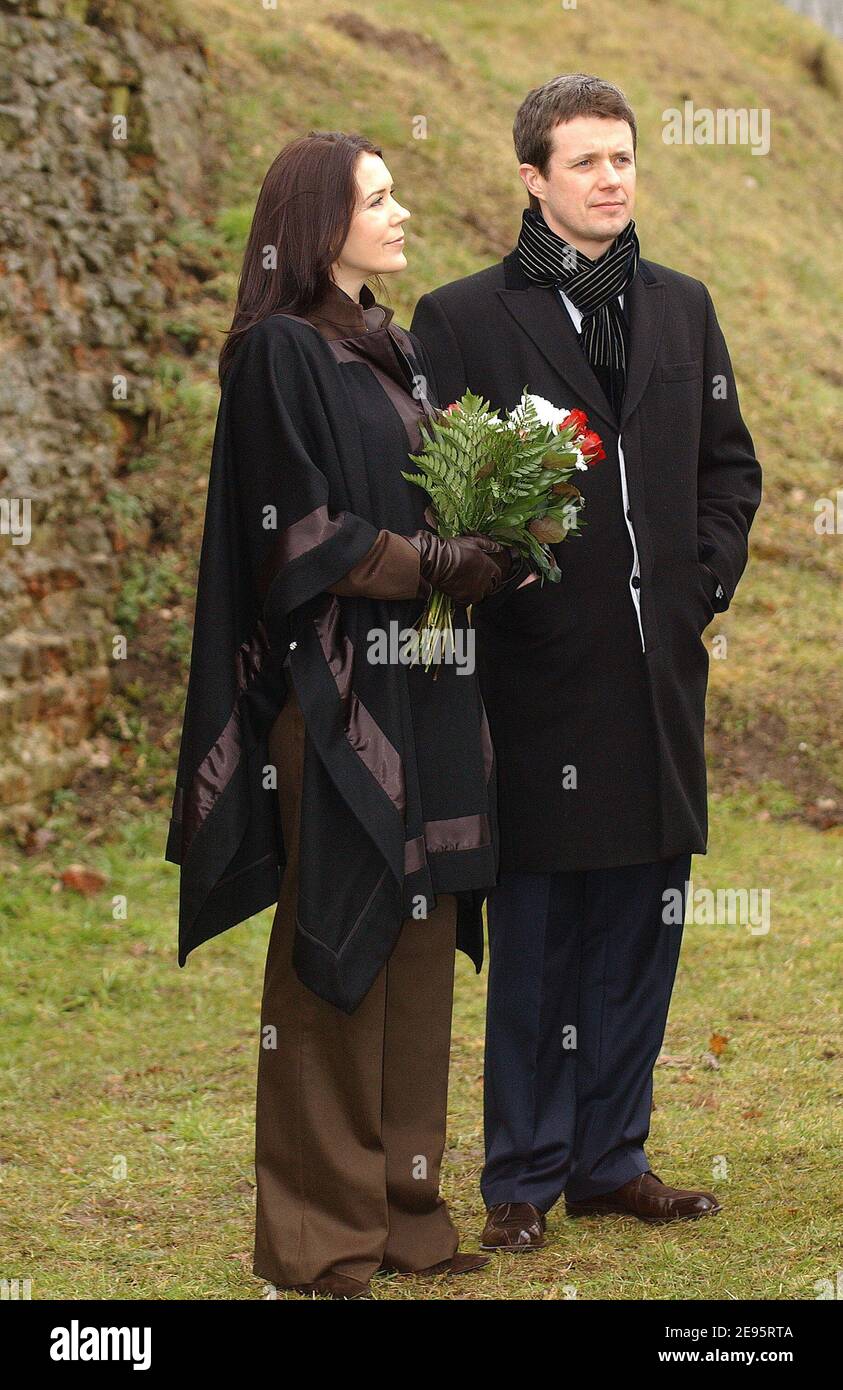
(540, 313)
(644, 300)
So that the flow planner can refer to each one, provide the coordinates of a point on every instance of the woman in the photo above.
(383, 813)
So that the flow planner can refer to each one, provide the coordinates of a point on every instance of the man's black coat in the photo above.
(597, 713)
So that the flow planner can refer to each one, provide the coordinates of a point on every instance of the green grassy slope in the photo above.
(127, 1168)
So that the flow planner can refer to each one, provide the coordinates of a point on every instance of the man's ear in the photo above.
(531, 179)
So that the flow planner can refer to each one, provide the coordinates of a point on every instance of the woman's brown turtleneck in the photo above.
(390, 569)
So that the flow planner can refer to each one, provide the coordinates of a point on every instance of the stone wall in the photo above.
(101, 110)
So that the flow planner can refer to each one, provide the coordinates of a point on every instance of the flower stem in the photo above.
(436, 628)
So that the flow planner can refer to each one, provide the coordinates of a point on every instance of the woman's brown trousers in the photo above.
(351, 1109)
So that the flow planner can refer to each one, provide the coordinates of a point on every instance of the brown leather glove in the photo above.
(390, 569)
(468, 568)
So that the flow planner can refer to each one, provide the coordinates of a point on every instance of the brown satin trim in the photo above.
(366, 738)
(381, 349)
(463, 832)
(375, 349)
(393, 382)
(212, 777)
(403, 344)
(250, 655)
(295, 540)
(443, 836)
(218, 766)
(414, 855)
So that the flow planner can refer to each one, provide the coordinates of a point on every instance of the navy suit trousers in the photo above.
(581, 969)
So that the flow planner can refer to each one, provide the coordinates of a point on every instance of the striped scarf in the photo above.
(593, 286)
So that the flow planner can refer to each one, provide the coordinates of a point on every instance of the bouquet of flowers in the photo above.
(505, 478)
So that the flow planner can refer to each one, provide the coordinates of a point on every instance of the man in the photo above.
(595, 687)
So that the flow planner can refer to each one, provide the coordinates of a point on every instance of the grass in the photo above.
(132, 1082)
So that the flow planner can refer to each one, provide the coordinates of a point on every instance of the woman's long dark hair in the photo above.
(301, 220)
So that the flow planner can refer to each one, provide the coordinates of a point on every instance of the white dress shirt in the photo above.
(634, 577)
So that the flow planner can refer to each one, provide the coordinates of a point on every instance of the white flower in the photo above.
(548, 414)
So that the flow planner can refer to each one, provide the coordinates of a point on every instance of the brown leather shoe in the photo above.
(513, 1226)
(334, 1286)
(648, 1198)
(460, 1263)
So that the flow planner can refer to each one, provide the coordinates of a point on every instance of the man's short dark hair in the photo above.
(563, 99)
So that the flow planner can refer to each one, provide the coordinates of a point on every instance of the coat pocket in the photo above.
(682, 371)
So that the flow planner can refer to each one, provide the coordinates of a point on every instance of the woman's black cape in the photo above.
(290, 509)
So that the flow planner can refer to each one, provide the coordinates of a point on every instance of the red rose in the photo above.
(591, 446)
(575, 417)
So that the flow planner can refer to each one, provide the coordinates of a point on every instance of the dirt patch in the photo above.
(406, 42)
(760, 755)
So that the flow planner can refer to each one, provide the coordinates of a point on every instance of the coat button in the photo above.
(718, 593)
(293, 646)
(635, 582)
